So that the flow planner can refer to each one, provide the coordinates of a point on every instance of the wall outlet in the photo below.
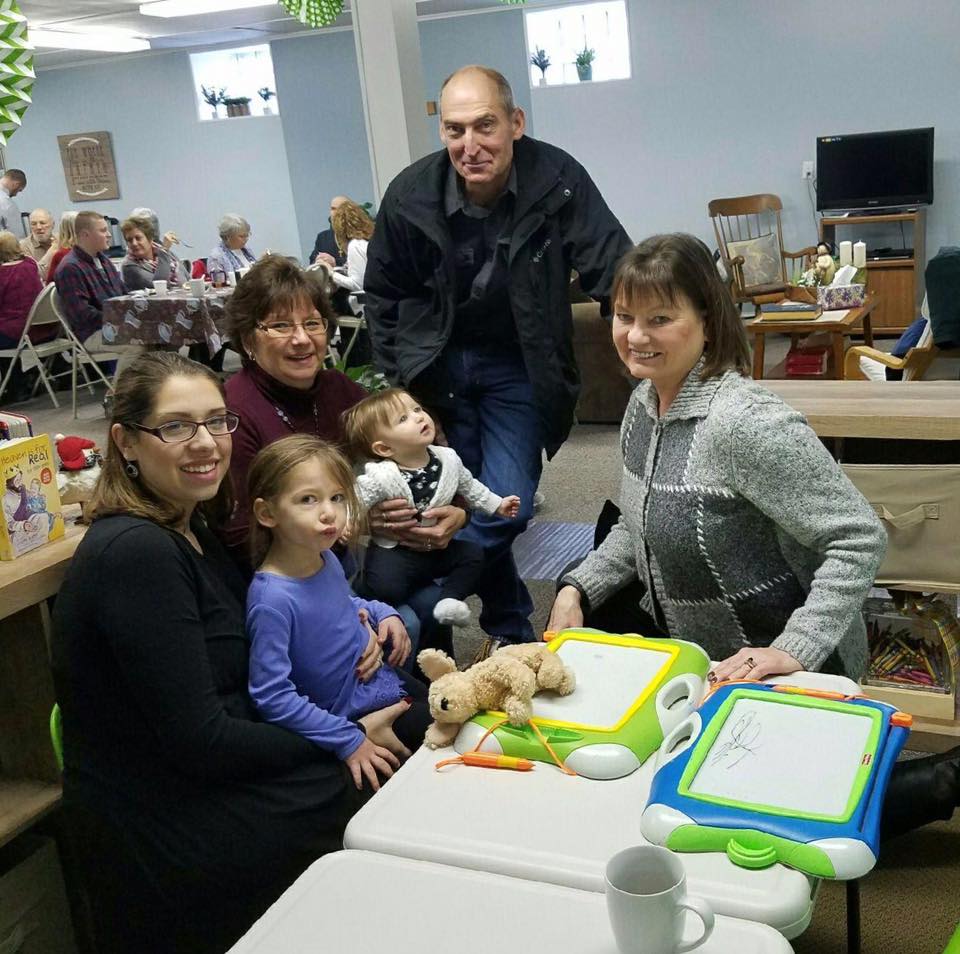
(806, 169)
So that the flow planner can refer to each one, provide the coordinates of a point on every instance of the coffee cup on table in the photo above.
(160, 287)
(197, 286)
(647, 901)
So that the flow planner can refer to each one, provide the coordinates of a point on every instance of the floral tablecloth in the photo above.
(174, 319)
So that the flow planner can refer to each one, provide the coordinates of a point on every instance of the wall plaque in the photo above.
(88, 166)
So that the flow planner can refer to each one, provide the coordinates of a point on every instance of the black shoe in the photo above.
(921, 791)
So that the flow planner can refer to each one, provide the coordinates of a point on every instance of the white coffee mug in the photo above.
(197, 287)
(160, 287)
(646, 900)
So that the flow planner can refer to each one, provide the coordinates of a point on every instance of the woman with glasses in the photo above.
(190, 814)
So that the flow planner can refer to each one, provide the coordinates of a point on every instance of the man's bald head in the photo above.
(504, 92)
(41, 225)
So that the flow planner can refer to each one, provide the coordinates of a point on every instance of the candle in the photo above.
(845, 253)
(860, 255)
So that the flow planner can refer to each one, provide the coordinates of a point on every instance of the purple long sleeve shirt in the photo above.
(306, 641)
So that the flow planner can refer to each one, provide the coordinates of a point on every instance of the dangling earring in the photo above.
(131, 469)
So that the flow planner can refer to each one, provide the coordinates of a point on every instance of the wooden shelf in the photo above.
(22, 802)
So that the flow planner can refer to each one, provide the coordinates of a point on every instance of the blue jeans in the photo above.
(493, 425)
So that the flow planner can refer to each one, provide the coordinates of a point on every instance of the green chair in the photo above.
(56, 733)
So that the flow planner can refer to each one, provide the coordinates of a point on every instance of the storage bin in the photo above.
(34, 914)
(919, 505)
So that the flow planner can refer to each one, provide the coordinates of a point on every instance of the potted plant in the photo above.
(541, 61)
(237, 105)
(265, 94)
(584, 64)
(213, 97)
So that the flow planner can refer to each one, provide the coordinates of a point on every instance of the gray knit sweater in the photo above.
(737, 518)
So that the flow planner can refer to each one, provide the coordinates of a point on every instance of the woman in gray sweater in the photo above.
(745, 535)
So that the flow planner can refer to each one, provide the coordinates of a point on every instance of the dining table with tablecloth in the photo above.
(170, 320)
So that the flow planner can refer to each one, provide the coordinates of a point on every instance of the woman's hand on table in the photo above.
(567, 612)
(390, 518)
(449, 519)
(391, 632)
(755, 662)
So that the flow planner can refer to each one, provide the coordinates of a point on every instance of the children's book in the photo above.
(31, 503)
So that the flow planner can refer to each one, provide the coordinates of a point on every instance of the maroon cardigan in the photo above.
(20, 284)
(257, 397)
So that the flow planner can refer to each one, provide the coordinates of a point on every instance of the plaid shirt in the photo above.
(83, 288)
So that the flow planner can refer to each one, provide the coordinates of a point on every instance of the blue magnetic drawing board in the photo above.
(770, 773)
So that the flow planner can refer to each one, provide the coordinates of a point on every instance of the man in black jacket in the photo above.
(467, 303)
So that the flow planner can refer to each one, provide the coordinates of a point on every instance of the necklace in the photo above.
(282, 414)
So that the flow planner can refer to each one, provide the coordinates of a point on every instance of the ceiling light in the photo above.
(102, 41)
(189, 8)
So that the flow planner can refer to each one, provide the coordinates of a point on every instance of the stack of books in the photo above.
(790, 311)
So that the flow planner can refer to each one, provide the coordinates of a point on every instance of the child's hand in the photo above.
(369, 759)
(391, 630)
(509, 506)
(379, 726)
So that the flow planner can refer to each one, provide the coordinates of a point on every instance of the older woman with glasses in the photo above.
(281, 320)
(232, 254)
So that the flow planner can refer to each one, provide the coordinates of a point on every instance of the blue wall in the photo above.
(323, 127)
(190, 171)
(729, 98)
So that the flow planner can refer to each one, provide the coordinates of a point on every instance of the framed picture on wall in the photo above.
(88, 166)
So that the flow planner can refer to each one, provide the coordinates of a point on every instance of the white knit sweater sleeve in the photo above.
(478, 496)
(778, 464)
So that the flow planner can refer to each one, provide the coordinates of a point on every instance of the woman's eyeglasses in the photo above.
(314, 327)
(176, 432)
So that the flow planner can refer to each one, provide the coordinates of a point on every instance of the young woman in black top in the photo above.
(192, 815)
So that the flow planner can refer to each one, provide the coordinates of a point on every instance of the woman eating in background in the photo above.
(191, 815)
(147, 261)
(232, 253)
(66, 239)
(352, 230)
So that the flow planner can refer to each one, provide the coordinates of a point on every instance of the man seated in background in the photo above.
(325, 247)
(12, 183)
(40, 243)
(86, 278)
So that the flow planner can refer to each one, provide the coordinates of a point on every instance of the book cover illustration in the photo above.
(31, 503)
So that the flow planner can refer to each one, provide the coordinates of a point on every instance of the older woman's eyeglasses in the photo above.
(176, 432)
(285, 329)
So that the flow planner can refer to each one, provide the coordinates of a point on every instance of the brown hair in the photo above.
(677, 266)
(138, 222)
(504, 91)
(274, 286)
(133, 402)
(86, 220)
(10, 249)
(364, 422)
(271, 468)
(350, 221)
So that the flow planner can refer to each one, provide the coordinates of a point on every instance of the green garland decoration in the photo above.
(313, 13)
(16, 69)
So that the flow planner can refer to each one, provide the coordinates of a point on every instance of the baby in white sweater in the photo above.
(393, 437)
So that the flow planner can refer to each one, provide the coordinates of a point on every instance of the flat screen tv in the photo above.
(875, 170)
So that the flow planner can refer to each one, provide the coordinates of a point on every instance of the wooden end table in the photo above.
(837, 324)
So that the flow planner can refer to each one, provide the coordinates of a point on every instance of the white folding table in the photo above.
(364, 901)
(548, 827)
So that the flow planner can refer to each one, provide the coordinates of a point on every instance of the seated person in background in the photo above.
(85, 279)
(325, 247)
(20, 284)
(168, 239)
(232, 253)
(308, 632)
(352, 228)
(146, 261)
(393, 437)
(66, 239)
(40, 244)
